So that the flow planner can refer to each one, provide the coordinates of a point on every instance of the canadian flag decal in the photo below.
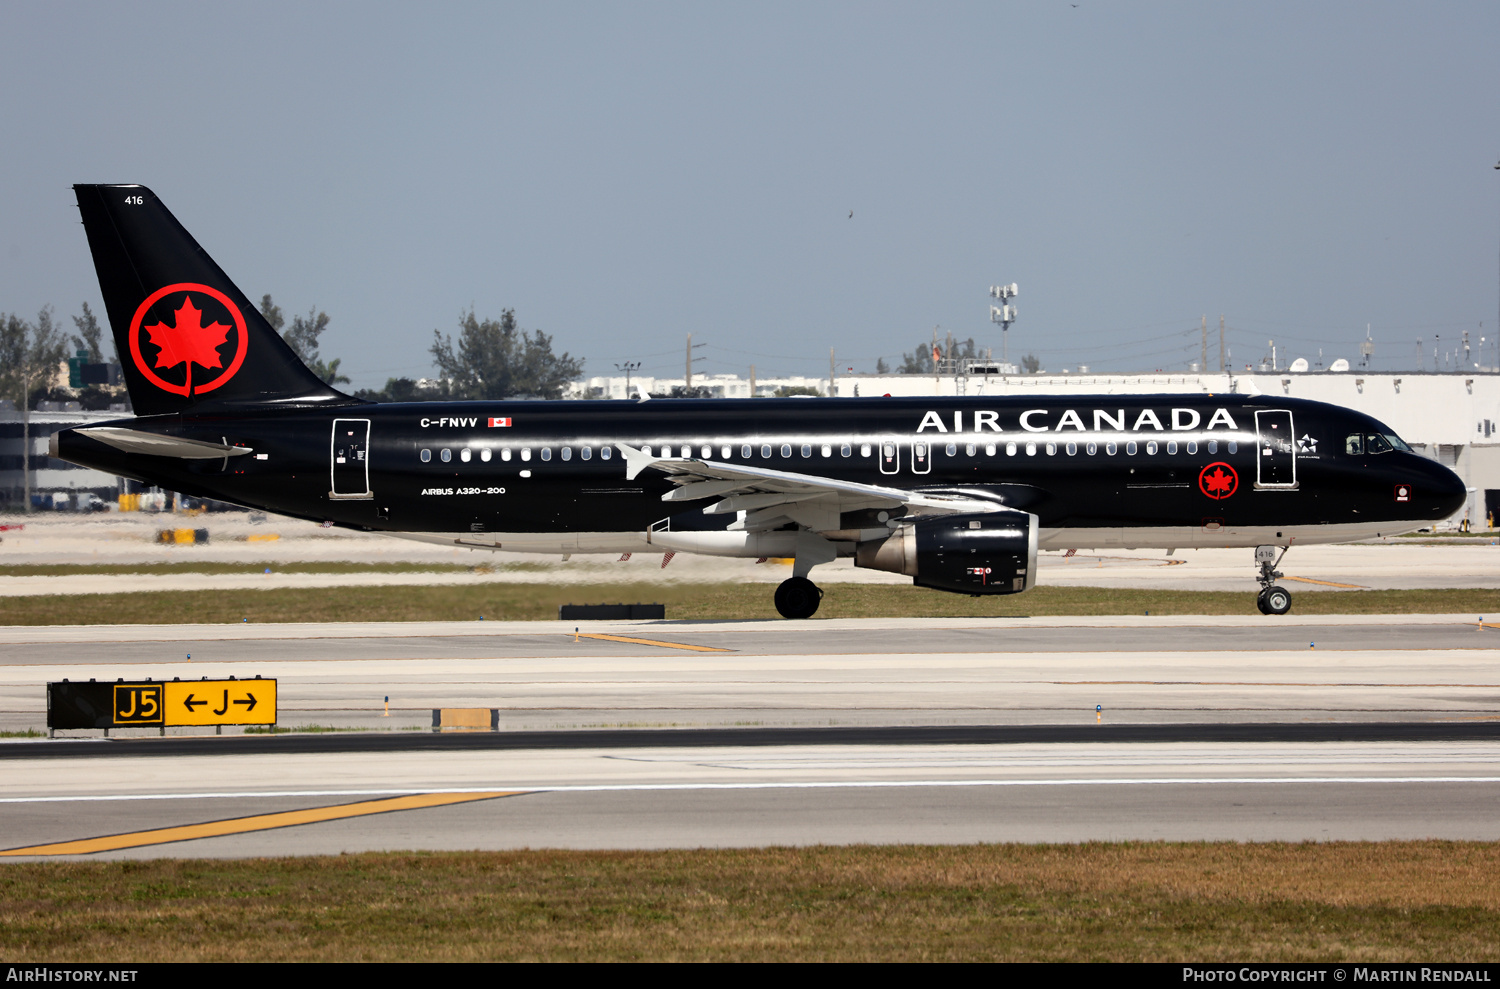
(499, 422)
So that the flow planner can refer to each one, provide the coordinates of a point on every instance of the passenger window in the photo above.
(827, 450)
(567, 453)
(1354, 444)
(1151, 448)
(1092, 449)
(707, 451)
(1192, 446)
(786, 449)
(726, 451)
(765, 450)
(745, 451)
(846, 450)
(426, 456)
(1233, 446)
(687, 451)
(1010, 449)
(1072, 449)
(505, 454)
(586, 452)
(1051, 449)
(1213, 446)
(952, 449)
(446, 455)
(1171, 447)
(546, 453)
(807, 449)
(1130, 448)
(605, 452)
(1111, 449)
(1030, 449)
(989, 449)
(864, 449)
(970, 450)
(485, 455)
(465, 455)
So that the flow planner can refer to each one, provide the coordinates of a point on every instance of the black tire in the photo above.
(1278, 600)
(1260, 602)
(798, 597)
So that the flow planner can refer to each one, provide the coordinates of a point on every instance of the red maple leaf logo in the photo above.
(1218, 481)
(189, 340)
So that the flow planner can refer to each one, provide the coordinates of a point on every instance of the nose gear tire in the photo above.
(1275, 600)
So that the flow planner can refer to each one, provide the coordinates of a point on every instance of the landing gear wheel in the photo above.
(1260, 601)
(1276, 600)
(798, 597)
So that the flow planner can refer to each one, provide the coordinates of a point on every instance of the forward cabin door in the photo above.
(1276, 450)
(350, 455)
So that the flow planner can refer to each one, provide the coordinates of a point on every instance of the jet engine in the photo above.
(989, 553)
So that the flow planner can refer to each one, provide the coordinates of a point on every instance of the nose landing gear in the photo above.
(1271, 600)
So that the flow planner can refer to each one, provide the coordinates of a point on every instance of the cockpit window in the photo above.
(1397, 442)
(1376, 443)
(1354, 444)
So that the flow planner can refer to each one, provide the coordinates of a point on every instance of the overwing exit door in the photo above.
(350, 456)
(1275, 450)
(921, 456)
(890, 456)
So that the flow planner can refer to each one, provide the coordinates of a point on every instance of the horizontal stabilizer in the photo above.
(157, 445)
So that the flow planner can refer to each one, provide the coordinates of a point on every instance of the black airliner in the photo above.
(957, 493)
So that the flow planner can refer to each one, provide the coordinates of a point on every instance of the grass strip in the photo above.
(1337, 901)
(721, 601)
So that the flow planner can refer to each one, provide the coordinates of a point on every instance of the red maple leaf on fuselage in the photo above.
(1218, 482)
(189, 340)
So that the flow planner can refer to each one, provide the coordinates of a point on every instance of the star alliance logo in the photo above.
(1307, 444)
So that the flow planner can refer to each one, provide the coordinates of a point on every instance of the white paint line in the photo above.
(818, 785)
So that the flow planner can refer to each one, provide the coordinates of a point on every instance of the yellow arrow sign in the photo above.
(220, 702)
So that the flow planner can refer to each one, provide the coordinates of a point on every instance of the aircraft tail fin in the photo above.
(188, 338)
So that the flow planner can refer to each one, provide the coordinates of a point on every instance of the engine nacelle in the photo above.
(991, 553)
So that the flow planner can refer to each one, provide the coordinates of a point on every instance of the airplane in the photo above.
(960, 494)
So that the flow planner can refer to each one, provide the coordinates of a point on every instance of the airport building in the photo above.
(55, 484)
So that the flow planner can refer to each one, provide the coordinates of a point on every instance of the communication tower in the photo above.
(1004, 314)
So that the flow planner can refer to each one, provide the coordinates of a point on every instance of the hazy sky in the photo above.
(623, 174)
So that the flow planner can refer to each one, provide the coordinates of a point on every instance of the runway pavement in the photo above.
(1278, 722)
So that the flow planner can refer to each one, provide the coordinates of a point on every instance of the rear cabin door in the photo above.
(1276, 450)
(350, 453)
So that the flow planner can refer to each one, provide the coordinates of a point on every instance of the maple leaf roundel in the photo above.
(1218, 481)
(179, 336)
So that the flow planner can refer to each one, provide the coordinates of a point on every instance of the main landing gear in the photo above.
(798, 597)
(1271, 600)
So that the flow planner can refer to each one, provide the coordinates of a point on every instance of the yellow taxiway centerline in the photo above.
(1328, 583)
(258, 822)
(651, 642)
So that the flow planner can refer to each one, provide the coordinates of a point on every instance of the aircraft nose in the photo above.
(1446, 491)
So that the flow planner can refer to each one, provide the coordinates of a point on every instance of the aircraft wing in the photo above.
(771, 498)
